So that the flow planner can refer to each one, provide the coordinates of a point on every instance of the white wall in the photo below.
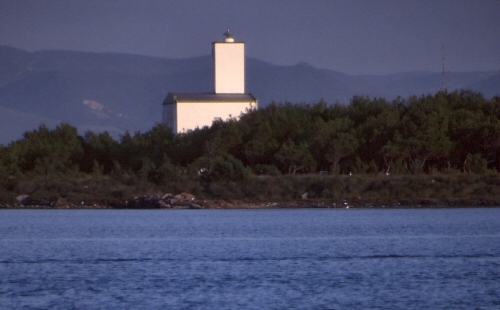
(198, 114)
(229, 68)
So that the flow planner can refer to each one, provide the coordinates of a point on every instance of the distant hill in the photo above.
(119, 92)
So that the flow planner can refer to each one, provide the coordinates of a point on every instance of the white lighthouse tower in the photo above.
(183, 112)
(229, 59)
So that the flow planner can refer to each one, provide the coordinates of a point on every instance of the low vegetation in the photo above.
(442, 149)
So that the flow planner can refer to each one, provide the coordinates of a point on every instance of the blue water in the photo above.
(250, 259)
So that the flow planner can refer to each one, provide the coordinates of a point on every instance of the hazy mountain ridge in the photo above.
(119, 92)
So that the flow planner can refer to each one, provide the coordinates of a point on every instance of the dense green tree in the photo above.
(295, 157)
(337, 140)
(425, 135)
(99, 149)
(226, 168)
(457, 131)
(46, 151)
(226, 139)
(261, 145)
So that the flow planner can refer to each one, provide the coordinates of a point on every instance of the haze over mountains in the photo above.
(119, 92)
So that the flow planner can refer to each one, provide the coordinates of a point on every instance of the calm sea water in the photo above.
(250, 259)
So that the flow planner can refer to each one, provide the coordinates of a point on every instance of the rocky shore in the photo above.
(189, 201)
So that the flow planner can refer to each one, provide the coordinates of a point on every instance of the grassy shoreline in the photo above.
(303, 191)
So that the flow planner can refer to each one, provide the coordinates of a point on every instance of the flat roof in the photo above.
(190, 97)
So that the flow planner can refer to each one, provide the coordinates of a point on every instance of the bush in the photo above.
(164, 174)
(262, 169)
(227, 168)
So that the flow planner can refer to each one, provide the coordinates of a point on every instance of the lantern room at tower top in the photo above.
(187, 111)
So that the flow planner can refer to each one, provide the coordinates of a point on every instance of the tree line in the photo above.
(457, 132)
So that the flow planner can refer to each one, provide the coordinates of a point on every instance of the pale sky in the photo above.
(354, 37)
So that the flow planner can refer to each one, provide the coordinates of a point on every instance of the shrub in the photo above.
(262, 169)
(163, 174)
(227, 168)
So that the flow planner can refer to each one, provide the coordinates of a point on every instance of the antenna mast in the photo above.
(443, 82)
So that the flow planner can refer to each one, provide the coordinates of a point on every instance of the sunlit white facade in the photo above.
(183, 112)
